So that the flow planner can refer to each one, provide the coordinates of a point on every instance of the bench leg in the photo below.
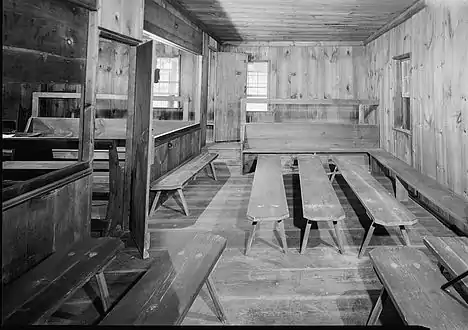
(333, 174)
(155, 202)
(306, 237)
(280, 225)
(103, 290)
(184, 202)
(217, 304)
(404, 233)
(401, 194)
(377, 310)
(339, 237)
(213, 171)
(251, 237)
(366, 240)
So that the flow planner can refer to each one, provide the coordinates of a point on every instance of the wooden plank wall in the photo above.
(437, 38)
(188, 80)
(311, 72)
(34, 229)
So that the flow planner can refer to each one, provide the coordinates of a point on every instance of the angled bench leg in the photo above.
(401, 194)
(306, 236)
(103, 290)
(339, 237)
(155, 202)
(377, 309)
(251, 237)
(333, 174)
(184, 202)
(366, 240)
(213, 171)
(217, 304)
(404, 233)
(280, 226)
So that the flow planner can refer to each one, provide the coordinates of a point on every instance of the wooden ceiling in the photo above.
(293, 20)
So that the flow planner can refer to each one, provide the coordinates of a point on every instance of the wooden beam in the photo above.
(88, 4)
(118, 37)
(291, 43)
(416, 7)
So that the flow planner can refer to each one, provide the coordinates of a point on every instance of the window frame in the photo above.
(402, 120)
(268, 69)
(156, 103)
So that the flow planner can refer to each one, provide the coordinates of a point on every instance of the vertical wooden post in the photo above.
(205, 61)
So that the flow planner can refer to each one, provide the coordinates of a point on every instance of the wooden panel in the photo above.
(164, 24)
(142, 144)
(231, 83)
(124, 17)
(35, 228)
(204, 88)
(403, 146)
(436, 38)
(315, 20)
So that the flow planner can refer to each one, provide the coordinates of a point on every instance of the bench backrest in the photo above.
(282, 136)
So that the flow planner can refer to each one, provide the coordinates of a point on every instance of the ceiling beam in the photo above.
(196, 21)
(291, 43)
(415, 8)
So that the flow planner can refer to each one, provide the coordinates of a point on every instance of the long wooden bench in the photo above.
(36, 295)
(452, 254)
(381, 206)
(177, 178)
(268, 198)
(413, 284)
(319, 200)
(455, 206)
(165, 293)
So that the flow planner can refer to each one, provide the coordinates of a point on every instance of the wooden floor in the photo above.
(318, 288)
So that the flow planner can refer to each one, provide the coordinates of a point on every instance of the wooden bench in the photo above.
(455, 206)
(319, 200)
(36, 295)
(177, 178)
(268, 198)
(452, 254)
(165, 293)
(381, 206)
(413, 284)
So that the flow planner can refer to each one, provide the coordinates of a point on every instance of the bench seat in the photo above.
(268, 198)
(36, 295)
(380, 204)
(177, 178)
(452, 254)
(452, 204)
(319, 200)
(413, 284)
(165, 293)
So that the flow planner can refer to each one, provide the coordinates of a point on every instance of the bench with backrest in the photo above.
(268, 198)
(452, 256)
(305, 138)
(381, 206)
(413, 283)
(451, 204)
(165, 293)
(37, 294)
(175, 180)
(319, 200)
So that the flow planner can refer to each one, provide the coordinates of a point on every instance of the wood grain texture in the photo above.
(382, 206)
(167, 291)
(268, 198)
(299, 20)
(435, 37)
(447, 201)
(123, 17)
(319, 201)
(413, 284)
(231, 80)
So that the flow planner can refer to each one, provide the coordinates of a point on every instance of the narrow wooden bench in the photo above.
(165, 293)
(413, 284)
(381, 206)
(451, 204)
(36, 295)
(319, 200)
(177, 178)
(268, 198)
(452, 254)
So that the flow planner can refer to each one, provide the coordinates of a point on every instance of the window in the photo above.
(169, 82)
(257, 85)
(403, 87)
